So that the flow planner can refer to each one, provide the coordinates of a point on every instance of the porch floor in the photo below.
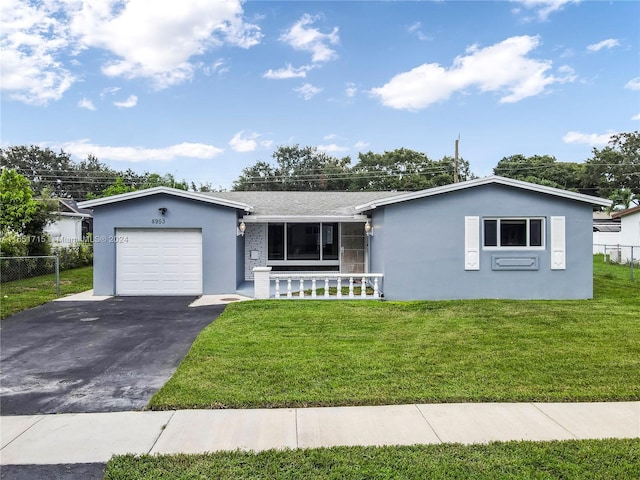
(246, 289)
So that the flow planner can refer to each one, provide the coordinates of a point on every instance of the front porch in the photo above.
(306, 247)
(310, 285)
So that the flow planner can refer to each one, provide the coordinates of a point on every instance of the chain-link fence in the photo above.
(621, 254)
(20, 268)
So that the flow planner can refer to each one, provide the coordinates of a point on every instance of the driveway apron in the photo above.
(72, 357)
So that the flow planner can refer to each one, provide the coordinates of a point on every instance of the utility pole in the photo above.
(455, 162)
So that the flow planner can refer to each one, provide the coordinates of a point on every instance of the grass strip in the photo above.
(574, 459)
(23, 294)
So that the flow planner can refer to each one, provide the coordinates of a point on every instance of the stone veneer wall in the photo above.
(255, 238)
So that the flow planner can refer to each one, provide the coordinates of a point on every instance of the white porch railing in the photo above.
(296, 285)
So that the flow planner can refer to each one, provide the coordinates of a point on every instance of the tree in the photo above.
(91, 178)
(116, 188)
(150, 180)
(67, 179)
(542, 169)
(615, 167)
(259, 177)
(297, 169)
(16, 198)
(57, 172)
(404, 169)
(43, 167)
(22, 214)
(623, 198)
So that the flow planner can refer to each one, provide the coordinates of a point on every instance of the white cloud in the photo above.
(592, 139)
(544, 8)
(332, 148)
(141, 154)
(301, 36)
(608, 43)
(143, 36)
(503, 68)
(154, 40)
(109, 91)
(633, 84)
(218, 67)
(636, 117)
(288, 72)
(416, 29)
(87, 104)
(130, 102)
(242, 142)
(308, 91)
(331, 136)
(351, 90)
(361, 145)
(31, 38)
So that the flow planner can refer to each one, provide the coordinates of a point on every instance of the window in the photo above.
(303, 241)
(275, 233)
(315, 242)
(513, 232)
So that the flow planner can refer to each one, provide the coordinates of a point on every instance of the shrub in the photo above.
(13, 244)
(76, 255)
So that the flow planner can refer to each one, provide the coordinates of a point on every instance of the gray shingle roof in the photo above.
(303, 203)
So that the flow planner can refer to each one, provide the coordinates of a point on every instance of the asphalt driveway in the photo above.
(70, 357)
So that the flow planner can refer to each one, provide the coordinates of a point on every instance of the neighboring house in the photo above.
(629, 234)
(492, 237)
(71, 224)
(606, 232)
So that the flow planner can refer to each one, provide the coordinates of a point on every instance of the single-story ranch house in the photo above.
(71, 224)
(491, 237)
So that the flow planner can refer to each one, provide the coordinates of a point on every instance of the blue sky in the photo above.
(203, 89)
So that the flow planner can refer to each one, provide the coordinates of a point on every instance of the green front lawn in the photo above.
(22, 294)
(592, 459)
(321, 353)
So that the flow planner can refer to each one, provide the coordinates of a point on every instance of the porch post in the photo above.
(261, 283)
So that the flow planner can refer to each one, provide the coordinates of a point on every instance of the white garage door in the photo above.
(159, 262)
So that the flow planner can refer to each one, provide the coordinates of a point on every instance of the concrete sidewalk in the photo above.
(95, 437)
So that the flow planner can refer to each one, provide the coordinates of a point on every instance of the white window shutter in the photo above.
(558, 244)
(472, 243)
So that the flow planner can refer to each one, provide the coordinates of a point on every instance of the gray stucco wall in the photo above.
(222, 254)
(419, 246)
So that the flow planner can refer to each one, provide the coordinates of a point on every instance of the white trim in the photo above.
(71, 214)
(303, 263)
(558, 243)
(294, 262)
(494, 179)
(472, 243)
(305, 219)
(527, 219)
(166, 190)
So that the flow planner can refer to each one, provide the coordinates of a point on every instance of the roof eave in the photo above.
(165, 190)
(494, 179)
(303, 218)
(72, 214)
(625, 212)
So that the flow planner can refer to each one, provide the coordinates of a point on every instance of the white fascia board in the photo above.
(70, 214)
(304, 219)
(494, 179)
(166, 190)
